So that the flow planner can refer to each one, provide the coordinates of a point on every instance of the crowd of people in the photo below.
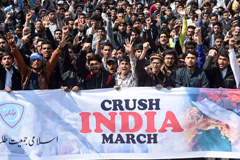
(93, 44)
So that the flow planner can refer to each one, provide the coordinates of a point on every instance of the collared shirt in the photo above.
(224, 72)
(131, 79)
(8, 81)
(104, 64)
(52, 27)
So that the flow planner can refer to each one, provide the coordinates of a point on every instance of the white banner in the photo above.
(139, 123)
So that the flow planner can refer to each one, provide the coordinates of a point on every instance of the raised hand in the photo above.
(128, 46)
(29, 16)
(146, 46)
(182, 13)
(86, 46)
(8, 15)
(76, 40)
(25, 39)
(212, 53)
(198, 31)
(45, 22)
(65, 31)
(198, 12)
(232, 42)
(10, 38)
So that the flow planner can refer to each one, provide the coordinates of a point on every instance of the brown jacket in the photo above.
(43, 75)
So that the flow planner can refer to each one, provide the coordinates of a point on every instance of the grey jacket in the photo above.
(196, 79)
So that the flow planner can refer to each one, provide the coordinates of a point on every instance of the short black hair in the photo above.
(217, 23)
(193, 52)
(188, 43)
(192, 27)
(107, 44)
(46, 42)
(51, 11)
(57, 30)
(7, 54)
(135, 30)
(19, 26)
(68, 20)
(213, 15)
(218, 36)
(138, 46)
(125, 58)
(96, 57)
(168, 52)
(181, 56)
(164, 32)
(223, 53)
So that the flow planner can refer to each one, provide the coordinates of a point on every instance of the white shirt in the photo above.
(224, 72)
(8, 81)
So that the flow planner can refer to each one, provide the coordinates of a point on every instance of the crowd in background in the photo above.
(89, 44)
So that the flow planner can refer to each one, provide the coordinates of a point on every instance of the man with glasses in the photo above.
(169, 68)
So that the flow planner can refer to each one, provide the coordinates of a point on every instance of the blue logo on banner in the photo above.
(11, 114)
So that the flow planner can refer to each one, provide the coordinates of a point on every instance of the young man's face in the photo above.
(181, 63)
(134, 35)
(205, 16)
(138, 53)
(120, 54)
(156, 65)
(138, 25)
(129, 9)
(67, 15)
(124, 67)
(121, 27)
(18, 32)
(106, 51)
(112, 67)
(7, 62)
(95, 66)
(213, 19)
(58, 36)
(190, 33)
(169, 60)
(3, 44)
(236, 32)
(51, 16)
(70, 24)
(36, 63)
(218, 42)
(225, 16)
(46, 50)
(163, 39)
(191, 60)
(168, 12)
(71, 53)
(89, 55)
(223, 62)
(38, 26)
(216, 29)
(101, 33)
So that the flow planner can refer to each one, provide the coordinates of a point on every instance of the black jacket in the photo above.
(106, 80)
(186, 79)
(69, 75)
(215, 76)
(16, 79)
(120, 38)
(146, 78)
